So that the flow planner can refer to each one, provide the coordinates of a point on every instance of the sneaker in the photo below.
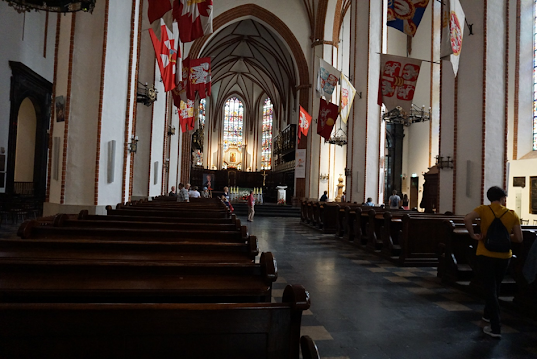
(485, 319)
(488, 330)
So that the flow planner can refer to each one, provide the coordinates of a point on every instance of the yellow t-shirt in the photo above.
(509, 220)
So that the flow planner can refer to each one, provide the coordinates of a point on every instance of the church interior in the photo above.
(88, 125)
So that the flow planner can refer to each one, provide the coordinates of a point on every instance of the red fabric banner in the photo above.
(328, 113)
(186, 116)
(198, 77)
(195, 18)
(166, 53)
(157, 8)
(304, 123)
(397, 82)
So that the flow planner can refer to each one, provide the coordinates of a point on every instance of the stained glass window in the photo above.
(266, 142)
(534, 76)
(201, 115)
(233, 122)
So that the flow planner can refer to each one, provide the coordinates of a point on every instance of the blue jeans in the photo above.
(492, 273)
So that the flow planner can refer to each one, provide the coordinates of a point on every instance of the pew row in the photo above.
(124, 251)
(239, 331)
(33, 229)
(99, 281)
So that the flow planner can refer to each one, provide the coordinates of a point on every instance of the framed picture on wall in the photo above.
(60, 108)
(533, 195)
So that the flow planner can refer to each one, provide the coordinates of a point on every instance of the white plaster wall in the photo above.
(147, 73)
(84, 107)
(28, 51)
(115, 100)
(157, 137)
(373, 114)
(495, 108)
(174, 148)
(525, 115)
(24, 158)
(522, 168)
(61, 90)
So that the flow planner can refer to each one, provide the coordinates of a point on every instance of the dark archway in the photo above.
(25, 83)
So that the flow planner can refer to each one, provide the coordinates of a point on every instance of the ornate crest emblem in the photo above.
(455, 34)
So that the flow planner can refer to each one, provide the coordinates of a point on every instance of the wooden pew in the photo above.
(351, 213)
(64, 220)
(526, 297)
(84, 215)
(456, 261)
(329, 217)
(125, 251)
(33, 229)
(180, 214)
(99, 281)
(239, 331)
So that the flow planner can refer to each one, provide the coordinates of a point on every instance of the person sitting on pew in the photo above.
(324, 197)
(227, 203)
(205, 193)
(493, 265)
(369, 202)
(182, 196)
(194, 193)
(172, 192)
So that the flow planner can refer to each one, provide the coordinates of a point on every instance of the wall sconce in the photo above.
(167, 164)
(171, 130)
(347, 172)
(444, 164)
(324, 177)
(133, 145)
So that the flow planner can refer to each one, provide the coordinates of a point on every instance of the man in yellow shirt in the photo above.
(493, 265)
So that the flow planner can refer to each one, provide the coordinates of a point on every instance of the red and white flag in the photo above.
(166, 50)
(179, 92)
(328, 113)
(198, 77)
(397, 83)
(452, 33)
(157, 8)
(195, 18)
(304, 123)
(186, 116)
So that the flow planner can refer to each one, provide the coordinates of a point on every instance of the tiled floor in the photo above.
(365, 307)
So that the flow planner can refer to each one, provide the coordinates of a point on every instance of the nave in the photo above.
(365, 307)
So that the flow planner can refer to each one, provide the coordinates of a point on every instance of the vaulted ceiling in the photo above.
(248, 58)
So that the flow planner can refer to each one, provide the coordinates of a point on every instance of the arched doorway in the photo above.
(31, 97)
(25, 149)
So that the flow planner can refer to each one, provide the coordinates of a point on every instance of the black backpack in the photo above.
(498, 238)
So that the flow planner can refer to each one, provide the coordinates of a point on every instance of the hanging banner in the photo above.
(327, 78)
(453, 19)
(300, 163)
(327, 118)
(347, 96)
(397, 82)
(405, 15)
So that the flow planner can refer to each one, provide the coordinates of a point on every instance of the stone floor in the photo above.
(364, 307)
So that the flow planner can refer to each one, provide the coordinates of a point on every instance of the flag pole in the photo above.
(432, 62)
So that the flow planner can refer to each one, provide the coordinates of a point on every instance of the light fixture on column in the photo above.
(146, 94)
(167, 164)
(324, 177)
(133, 145)
(399, 116)
(52, 5)
(444, 164)
(171, 130)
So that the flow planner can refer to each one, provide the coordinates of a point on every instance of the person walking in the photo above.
(492, 265)
(394, 200)
(251, 204)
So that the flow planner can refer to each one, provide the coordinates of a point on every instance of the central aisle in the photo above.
(365, 307)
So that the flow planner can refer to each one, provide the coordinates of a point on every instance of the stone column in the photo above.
(95, 69)
(473, 127)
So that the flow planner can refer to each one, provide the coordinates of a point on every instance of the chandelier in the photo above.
(398, 116)
(52, 5)
(339, 138)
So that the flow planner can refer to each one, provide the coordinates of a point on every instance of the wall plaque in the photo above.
(519, 182)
